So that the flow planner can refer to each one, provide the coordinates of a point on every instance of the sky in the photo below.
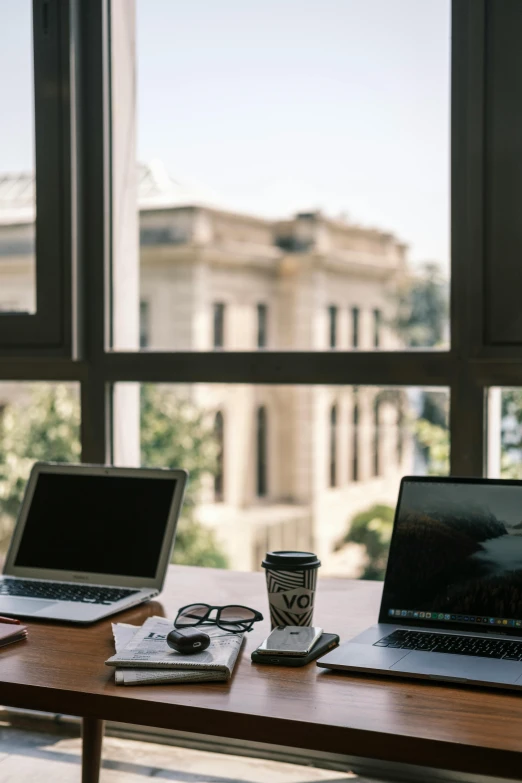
(278, 106)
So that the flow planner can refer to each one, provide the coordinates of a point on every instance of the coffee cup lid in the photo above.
(291, 561)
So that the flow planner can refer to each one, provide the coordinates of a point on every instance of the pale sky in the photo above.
(277, 106)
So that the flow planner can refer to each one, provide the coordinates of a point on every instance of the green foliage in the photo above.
(47, 428)
(196, 545)
(372, 528)
(174, 434)
(422, 321)
(435, 440)
(421, 318)
(511, 433)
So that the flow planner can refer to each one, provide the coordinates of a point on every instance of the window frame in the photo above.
(53, 329)
(468, 368)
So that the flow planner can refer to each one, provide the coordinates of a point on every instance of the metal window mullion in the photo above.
(377, 368)
(96, 392)
(467, 388)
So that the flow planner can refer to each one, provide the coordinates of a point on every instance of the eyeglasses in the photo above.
(233, 618)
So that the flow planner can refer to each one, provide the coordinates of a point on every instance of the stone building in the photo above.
(296, 461)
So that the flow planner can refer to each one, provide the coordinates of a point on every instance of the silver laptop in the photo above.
(452, 601)
(90, 541)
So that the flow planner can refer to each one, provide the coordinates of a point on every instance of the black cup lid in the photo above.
(290, 561)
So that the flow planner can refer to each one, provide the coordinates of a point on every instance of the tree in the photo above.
(46, 427)
(174, 434)
(434, 440)
(511, 433)
(372, 528)
(422, 311)
(421, 320)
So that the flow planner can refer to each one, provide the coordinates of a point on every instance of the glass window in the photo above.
(38, 421)
(355, 436)
(355, 327)
(261, 452)
(377, 324)
(17, 191)
(144, 324)
(224, 202)
(219, 433)
(504, 437)
(400, 429)
(332, 326)
(262, 325)
(376, 438)
(278, 463)
(333, 446)
(219, 325)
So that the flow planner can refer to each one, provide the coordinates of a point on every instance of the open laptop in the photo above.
(90, 541)
(452, 601)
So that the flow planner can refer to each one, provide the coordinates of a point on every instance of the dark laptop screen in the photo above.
(102, 524)
(456, 555)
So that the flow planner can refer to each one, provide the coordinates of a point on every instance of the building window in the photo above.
(400, 433)
(144, 324)
(355, 441)
(377, 323)
(262, 319)
(219, 433)
(218, 338)
(332, 326)
(376, 438)
(261, 452)
(355, 327)
(333, 446)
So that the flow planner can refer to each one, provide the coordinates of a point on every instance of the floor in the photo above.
(32, 751)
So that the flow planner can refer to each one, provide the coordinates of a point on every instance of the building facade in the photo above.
(296, 462)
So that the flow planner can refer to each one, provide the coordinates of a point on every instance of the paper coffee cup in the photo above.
(291, 578)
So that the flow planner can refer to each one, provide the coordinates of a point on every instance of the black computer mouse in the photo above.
(188, 640)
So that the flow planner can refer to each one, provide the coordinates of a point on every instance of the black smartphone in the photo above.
(327, 642)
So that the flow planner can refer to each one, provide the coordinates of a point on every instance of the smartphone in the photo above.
(326, 642)
(290, 640)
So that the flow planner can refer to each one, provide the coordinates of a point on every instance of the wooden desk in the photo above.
(61, 669)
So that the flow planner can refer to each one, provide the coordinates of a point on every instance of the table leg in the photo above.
(92, 738)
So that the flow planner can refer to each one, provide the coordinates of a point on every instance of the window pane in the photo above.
(504, 447)
(313, 179)
(17, 193)
(288, 467)
(38, 421)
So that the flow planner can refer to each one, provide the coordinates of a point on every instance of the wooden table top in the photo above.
(61, 668)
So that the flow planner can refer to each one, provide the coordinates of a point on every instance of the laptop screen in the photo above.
(99, 524)
(456, 555)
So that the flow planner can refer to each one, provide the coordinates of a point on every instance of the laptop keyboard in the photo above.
(58, 591)
(479, 646)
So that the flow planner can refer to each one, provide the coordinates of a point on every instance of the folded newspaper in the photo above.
(146, 658)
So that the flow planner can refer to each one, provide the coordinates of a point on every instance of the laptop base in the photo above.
(360, 655)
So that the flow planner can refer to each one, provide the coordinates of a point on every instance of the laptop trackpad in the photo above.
(459, 667)
(22, 606)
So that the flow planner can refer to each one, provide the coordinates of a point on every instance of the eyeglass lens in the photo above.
(192, 615)
(231, 616)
